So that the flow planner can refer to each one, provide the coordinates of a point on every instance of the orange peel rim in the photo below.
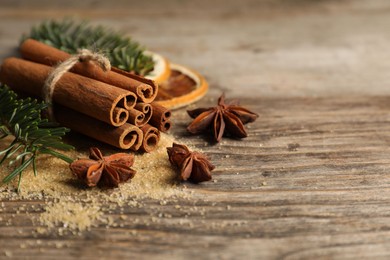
(162, 69)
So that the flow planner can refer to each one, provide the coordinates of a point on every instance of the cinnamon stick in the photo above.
(160, 117)
(150, 139)
(147, 110)
(140, 115)
(145, 89)
(136, 118)
(148, 92)
(93, 98)
(126, 136)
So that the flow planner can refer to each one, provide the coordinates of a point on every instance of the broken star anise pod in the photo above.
(193, 166)
(225, 118)
(104, 170)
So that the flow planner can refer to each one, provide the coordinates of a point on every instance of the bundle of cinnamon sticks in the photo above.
(114, 107)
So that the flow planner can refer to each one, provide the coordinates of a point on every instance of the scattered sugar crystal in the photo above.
(71, 207)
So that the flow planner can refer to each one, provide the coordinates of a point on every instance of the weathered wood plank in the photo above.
(326, 198)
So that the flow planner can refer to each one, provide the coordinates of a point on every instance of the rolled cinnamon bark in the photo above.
(145, 89)
(126, 136)
(147, 93)
(151, 138)
(147, 110)
(136, 118)
(140, 115)
(160, 117)
(164, 126)
(91, 97)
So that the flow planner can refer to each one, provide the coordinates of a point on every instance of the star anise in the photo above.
(104, 170)
(193, 166)
(225, 118)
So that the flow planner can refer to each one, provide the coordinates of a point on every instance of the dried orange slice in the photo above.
(161, 70)
(184, 86)
(178, 85)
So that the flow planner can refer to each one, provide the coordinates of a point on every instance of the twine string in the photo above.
(83, 55)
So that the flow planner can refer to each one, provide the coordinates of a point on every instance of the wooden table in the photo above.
(312, 179)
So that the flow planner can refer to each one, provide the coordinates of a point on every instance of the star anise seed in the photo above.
(225, 118)
(104, 170)
(193, 166)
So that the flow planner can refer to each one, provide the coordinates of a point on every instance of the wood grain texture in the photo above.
(312, 178)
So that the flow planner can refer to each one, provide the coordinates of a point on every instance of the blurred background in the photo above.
(273, 47)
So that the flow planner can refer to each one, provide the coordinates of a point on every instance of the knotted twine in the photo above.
(83, 55)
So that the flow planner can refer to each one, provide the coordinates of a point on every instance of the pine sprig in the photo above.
(32, 135)
(70, 36)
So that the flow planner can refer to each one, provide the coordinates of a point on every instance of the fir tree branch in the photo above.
(32, 135)
(71, 36)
